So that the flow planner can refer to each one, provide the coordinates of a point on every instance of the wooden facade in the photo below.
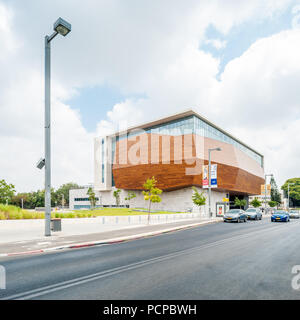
(176, 162)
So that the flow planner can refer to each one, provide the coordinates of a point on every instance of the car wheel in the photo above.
(256, 218)
(245, 220)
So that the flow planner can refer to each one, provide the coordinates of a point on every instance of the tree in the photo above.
(255, 203)
(116, 194)
(198, 198)
(7, 191)
(152, 193)
(130, 196)
(294, 190)
(272, 204)
(239, 202)
(92, 197)
(63, 192)
(275, 194)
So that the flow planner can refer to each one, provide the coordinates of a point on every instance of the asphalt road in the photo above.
(252, 260)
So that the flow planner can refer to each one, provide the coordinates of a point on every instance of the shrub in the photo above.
(2, 216)
(70, 215)
(27, 215)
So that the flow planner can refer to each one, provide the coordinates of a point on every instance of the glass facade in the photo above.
(193, 124)
(102, 150)
(84, 199)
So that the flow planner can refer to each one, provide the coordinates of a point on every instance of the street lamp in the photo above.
(288, 202)
(61, 27)
(266, 175)
(209, 179)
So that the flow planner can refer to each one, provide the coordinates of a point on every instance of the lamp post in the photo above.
(288, 202)
(209, 179)
(61, 27)
(266, 175)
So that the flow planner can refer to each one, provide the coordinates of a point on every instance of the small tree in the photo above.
(117, 196)
(272, 204)
(239, 202)
(130, 196)
(92, 197)
(198, 198)
(152, 193)
(7, 191)
(255, 203)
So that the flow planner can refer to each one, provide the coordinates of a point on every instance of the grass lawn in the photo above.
(118, 212)
(14, 213)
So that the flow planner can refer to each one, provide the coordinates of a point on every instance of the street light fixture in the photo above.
(209, 179)
(266, 175)
(60, 27)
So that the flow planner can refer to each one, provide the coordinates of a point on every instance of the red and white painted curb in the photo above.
(109, 241)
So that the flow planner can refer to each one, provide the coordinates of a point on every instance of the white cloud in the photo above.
(140, 47)
(217, 43)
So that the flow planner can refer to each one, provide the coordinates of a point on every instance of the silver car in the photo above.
(235, 215)
(294, 214)
(254, 214)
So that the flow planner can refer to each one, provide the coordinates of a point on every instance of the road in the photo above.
(250, 260)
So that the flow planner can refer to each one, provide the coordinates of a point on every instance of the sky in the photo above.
(237, 63)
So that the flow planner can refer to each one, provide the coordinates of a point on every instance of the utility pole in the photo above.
(63, 28)
(209, 179)
(266, 175)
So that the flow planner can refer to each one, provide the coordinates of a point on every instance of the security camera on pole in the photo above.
(61, 27)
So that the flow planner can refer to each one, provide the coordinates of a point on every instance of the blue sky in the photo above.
(131, 63)
(94, 102)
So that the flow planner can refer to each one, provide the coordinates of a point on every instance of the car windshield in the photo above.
(280, 212)
(293, 211)
(234, 211)
(251, 210)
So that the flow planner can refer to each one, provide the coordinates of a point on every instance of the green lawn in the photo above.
(117, 212)
(13, 213)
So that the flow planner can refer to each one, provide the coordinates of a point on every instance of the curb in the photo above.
(109, 241)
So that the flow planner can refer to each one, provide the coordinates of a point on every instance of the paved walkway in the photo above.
(122, 233)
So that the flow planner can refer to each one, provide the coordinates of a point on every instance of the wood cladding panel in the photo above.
(176, 162)
(173, 176)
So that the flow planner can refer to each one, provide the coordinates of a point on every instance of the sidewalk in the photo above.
(105, 236)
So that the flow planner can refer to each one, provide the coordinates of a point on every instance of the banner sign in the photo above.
(205, 176)
(213, 172)
(262, 189)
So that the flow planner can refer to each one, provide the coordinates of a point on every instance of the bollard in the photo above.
(117, 220)
(140, 219)
(103, 220)
(129, 219)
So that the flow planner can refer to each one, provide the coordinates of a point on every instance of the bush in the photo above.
(2, 216)
(70, 215)
(27, 215)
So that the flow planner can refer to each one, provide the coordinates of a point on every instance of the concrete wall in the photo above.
(178, 200)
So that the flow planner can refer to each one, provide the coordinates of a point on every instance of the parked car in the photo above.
(294, 214)
(280, 215)
(236, 215)
(254, 214)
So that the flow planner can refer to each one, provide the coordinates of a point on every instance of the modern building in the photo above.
(174, 150)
